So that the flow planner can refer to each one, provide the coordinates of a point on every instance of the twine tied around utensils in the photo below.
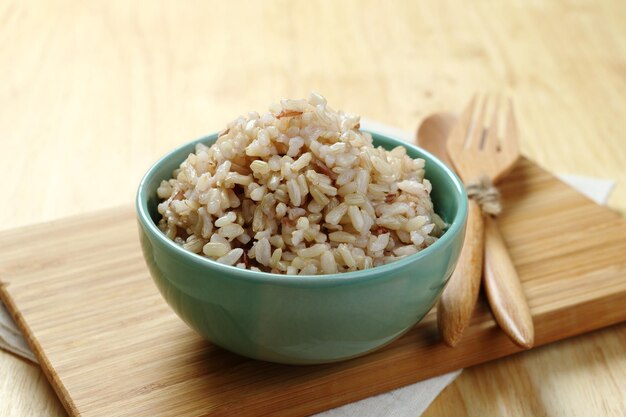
(486, 195)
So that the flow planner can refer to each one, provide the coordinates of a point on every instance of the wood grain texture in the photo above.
(93, 92)
(109, 344)
(14, 402)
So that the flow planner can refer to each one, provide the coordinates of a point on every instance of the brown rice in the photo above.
(299, 190)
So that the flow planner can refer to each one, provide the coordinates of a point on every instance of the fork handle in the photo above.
(459, 298)
(504, 289)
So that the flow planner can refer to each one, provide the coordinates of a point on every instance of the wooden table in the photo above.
(93, 92)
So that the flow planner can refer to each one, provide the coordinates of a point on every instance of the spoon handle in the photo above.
(504, 290)
(459, 298)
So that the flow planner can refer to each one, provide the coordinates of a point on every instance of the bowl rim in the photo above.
(339, 278)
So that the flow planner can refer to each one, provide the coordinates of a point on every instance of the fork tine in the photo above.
(491, 139)
(460, 131)
(509, 152)
(510, 139)
(476, 135)
(491, 161)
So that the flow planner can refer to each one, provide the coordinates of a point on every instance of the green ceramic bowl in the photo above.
(302, 319)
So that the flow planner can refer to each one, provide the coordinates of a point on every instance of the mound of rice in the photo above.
(299, 190)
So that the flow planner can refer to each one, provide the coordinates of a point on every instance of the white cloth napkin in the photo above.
(11, 338)
(409, 401)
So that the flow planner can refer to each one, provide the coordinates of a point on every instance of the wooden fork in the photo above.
(478, 151)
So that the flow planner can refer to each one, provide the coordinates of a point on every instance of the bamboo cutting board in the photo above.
(109, 344)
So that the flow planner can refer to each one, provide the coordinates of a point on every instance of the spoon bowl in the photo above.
(433, 132)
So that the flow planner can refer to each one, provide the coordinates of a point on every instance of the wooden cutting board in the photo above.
(108, 343)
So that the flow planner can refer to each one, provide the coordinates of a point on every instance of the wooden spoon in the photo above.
(457, 302)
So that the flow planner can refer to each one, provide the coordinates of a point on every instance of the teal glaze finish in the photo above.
(302, 319)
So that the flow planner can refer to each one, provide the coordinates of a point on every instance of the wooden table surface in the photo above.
(93, 92)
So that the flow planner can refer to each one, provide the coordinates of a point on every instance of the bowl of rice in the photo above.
(295, 237)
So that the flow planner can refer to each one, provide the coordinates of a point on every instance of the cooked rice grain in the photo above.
(299, 190)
